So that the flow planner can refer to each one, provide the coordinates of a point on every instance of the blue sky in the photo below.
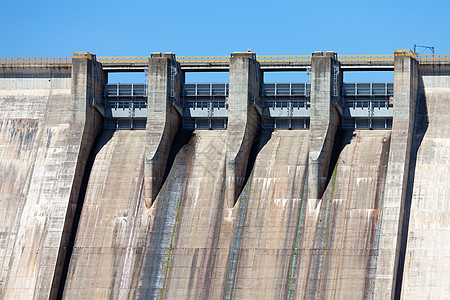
(196, 27)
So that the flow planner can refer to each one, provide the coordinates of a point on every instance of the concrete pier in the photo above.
(163, 120)
(324, 122)
(243, 119)
(405, 93)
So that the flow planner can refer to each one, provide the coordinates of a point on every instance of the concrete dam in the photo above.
(239, 190)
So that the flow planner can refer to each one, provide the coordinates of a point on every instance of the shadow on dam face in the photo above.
(261, 138)
(181, 139)
(342, 139)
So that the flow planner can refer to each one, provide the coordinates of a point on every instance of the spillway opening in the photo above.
(127, 77)
(206, 77)
(368, 76)
(205, 97)
(368, 99)
(286, 97)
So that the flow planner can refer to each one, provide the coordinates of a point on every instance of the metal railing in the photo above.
(433, 57)
(206, 89)
(125, 90)
(286, 89)
(366, 58)
(203, 59)
(35, 60)
(357, 58)
(122, 59)
(283, 58)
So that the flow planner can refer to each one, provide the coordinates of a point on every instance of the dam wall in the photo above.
(241, 212)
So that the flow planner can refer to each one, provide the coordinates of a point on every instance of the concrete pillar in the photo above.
(243, 119)
(87, 84)
(324, 121)
(163, 121)
(405, 93)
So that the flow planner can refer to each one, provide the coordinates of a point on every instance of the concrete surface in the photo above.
(324, 122)
(405, 93)
(340, 243)
(50, 126)
(262, 262)
(104, 255)
(427, 262)
(240, 213)
(185, 222)
(243, 120)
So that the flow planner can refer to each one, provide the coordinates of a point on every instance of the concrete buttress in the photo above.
(427, 253)
(163, 120)
(243, 120)
(405, 93)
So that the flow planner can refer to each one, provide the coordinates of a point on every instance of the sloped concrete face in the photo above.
(262, 262)
(427, 261)
(340, 243)
(108, 235)
(51, 129)
(186, 222)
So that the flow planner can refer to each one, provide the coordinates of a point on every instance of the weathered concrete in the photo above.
(324, 122)
(53, 137)
(427, 261)
(243, 120)
(104, 252)
(262, 261)
(185, 224)
(405, 92)
(318, 214)
(162, 121)
(339, 246)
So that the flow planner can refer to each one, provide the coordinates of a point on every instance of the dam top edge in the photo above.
(223, 60)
